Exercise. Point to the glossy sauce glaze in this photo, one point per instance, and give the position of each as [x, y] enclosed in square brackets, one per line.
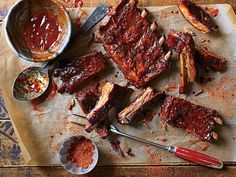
[75, 71]
[196, 119]
[41, 31]
[132, 44]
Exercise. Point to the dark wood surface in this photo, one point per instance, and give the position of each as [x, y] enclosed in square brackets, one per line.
[12, 163]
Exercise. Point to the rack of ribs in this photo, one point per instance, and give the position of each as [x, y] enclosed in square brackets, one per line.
[75, 71]
[131, 42]
[111, 95]
[195, 119]
[136, 108]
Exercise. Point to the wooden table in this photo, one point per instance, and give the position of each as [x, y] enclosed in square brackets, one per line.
[12, 163]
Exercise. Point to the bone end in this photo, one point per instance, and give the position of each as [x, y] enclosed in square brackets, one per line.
[132, 2]
[168, 56]
[161, 40]
[218, 120]
[144, 13]
[215, 135]
[153, 26]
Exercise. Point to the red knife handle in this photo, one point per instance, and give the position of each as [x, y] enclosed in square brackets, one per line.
[197, 157]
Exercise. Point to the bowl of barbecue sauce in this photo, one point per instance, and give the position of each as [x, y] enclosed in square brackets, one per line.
[38, 30]
[78, 155]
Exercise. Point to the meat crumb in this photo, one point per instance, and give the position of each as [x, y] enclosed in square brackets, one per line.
[72, 104]
[129, 152]
[198, 92]
[161, 138]
[212, 11]
[205, 40]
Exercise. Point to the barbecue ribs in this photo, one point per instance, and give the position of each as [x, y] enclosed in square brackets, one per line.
[196, 119]
[132, 43]
[111, 95]
[196, 16]
[183, 44]
[208, 60]
[74, 72]
[144, 100]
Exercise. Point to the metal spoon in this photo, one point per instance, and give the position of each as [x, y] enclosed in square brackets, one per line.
[33, 82]
[183, 153]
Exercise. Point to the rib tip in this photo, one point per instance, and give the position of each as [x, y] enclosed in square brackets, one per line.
[218, 120]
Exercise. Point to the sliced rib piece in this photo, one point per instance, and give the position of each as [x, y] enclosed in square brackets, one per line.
[196, 16]
[74, 72]
[183, 44]
[208, 60]
[144, 100]
[132, 43]
[111, 95]
[195, 119]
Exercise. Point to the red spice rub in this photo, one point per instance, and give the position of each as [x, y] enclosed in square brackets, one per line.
[75, 71]
[196, 119]
[81, 152]
[130, 40]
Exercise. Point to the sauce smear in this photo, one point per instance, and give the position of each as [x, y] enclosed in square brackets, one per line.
[41, 31]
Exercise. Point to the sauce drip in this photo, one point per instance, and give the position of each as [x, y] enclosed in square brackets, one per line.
[41, 31]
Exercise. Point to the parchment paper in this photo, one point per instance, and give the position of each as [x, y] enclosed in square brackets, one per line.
[41, 131]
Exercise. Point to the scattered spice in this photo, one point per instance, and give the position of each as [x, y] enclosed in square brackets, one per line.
[201, 145]
[129, 152]
[212, 11]
[198, 92]
[81, 152]
[116, 147]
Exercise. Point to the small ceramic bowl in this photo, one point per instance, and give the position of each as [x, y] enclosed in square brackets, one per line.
[70, 166]
[22, 14]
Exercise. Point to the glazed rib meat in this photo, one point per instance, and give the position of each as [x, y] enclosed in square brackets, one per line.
[183, 44]
[75, 71]
[196, 16]
[208, 60]
[132, 43]
[195, 119]
[144, 100]
[111, 95]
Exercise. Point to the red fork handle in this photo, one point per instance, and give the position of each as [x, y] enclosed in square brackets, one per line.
[197, 157]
